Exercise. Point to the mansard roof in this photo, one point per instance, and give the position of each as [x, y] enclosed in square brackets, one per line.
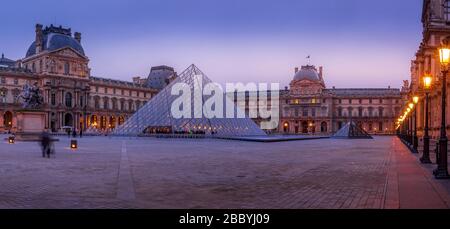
[364, 91]
[5, 62]
[114, 82]
[55, 38]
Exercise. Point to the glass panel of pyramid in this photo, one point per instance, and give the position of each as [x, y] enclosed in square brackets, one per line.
[156, 116]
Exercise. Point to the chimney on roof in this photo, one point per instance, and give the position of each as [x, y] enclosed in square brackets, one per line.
[296, 69]
[39, 38]
[3, 55]
[77, 37]
[321, 73]
[285, 88]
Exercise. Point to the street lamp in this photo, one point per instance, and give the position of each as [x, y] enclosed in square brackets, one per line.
[425, 159]
[411, 134]
[442, 170]
[415, 138]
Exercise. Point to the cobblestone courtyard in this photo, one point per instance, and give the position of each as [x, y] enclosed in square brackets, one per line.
[205, 173]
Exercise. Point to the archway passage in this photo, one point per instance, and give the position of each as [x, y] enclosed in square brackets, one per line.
[112, 122]
[286, 127]
[68, 120]
[94, 121]
[103, 122]
[121, 120]
[304, 127]
[7, 120]
[324, 127]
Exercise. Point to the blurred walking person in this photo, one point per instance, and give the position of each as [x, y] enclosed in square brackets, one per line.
[45, 144]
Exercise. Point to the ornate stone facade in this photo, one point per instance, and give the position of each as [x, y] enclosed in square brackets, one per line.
[308, 107]
[56, 62]
[436, 27]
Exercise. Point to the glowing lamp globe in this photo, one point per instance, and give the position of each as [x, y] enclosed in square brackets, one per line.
[427, 81]
[444, 55]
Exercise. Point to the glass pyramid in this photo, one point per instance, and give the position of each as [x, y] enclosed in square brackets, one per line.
[155, 117]
[351, 130]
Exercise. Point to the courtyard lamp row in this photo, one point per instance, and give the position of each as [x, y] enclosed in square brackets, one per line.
[405, 125]
[442, 170]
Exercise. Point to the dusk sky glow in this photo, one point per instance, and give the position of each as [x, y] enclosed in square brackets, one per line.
[360, 43]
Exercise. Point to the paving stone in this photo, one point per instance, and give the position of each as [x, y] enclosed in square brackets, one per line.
[206, 173]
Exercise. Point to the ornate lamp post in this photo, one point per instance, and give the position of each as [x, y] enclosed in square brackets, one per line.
[408, 125]
[411, 124]
[415, 138]
[442, 170]
[425, 159]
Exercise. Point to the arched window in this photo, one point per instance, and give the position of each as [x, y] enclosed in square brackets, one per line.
[3, 93]
[114, 103]
[7, 119]
[68, 99]
[122, 105]
[16, 93]
[96, 102]
[66, 68]
[323, 127]
[105, 103]
[370, 111]
[53, 98]
[138, 104]
[130, 105]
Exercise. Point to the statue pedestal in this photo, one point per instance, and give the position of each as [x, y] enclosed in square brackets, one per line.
[30, 125]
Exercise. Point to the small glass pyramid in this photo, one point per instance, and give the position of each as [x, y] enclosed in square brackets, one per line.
[351, 130]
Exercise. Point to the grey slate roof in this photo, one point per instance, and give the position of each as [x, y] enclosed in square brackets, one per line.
[157, 79]
[364, 92]
[307, 72]
[54, 40]
[115, 82]
[5, 62]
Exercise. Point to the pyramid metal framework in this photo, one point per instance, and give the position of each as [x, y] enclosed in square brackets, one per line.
[352, 131]
[157, 113]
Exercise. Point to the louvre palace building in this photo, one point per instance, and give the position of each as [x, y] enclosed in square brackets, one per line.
[436, 28]
[57, 64]
[309, 107]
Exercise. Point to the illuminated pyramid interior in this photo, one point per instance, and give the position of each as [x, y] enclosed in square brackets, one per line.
[155, 116]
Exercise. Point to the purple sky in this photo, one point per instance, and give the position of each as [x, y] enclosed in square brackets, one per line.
[360, 43]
